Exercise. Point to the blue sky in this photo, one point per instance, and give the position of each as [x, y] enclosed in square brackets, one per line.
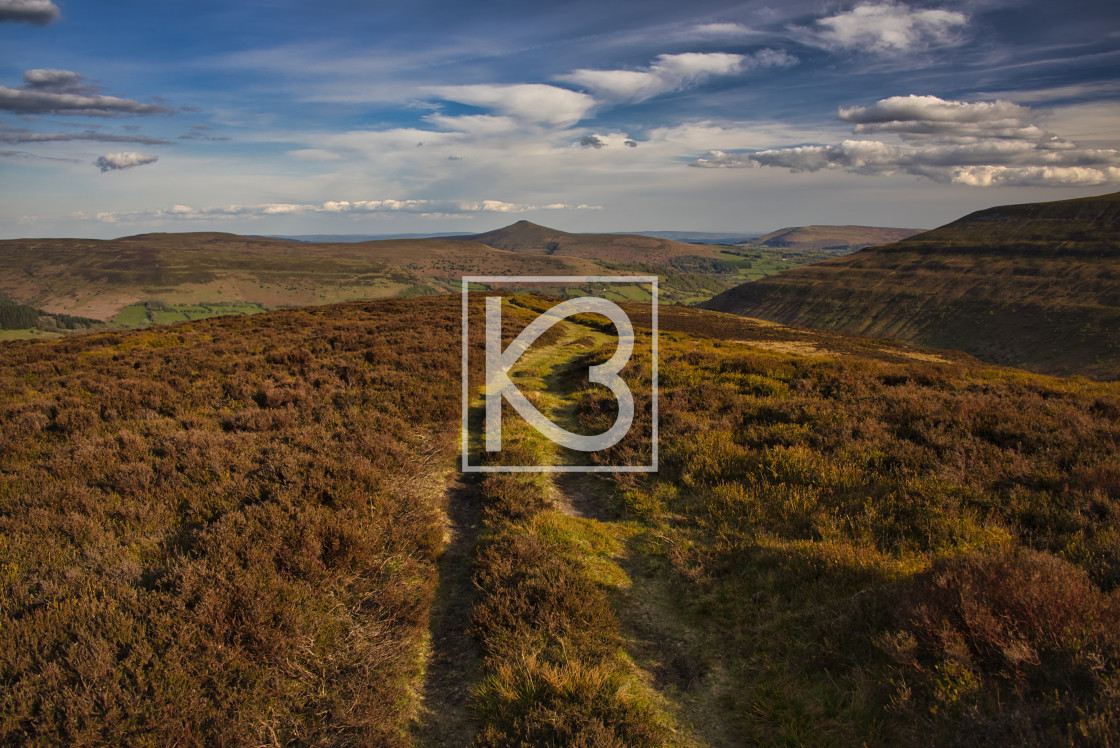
[120, 117]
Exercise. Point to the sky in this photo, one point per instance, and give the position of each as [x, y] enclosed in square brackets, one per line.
[120, 117]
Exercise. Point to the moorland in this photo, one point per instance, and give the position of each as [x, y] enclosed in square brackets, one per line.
[252, 529]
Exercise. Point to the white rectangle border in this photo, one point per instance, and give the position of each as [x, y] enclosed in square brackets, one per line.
[553, 279]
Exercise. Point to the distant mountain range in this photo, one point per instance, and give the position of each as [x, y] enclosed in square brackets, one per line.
[695, 237]
[164, 277]
[1029, 285]
[100, 278]
[351, 238]
[849, 238]
[703, 237]
[1034, 285]
[526, 237]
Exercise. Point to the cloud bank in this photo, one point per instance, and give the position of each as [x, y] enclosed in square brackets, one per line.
[928, 117]
[980, 144]
[37, 12]
[429, 208]
[119, 161]
[47, 91]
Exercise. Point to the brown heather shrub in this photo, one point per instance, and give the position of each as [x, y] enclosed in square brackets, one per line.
[223, 533]
[796, 495]
[570, 704]
[548, 608]
[1029, 627]
[510, 498]
[1013, 613]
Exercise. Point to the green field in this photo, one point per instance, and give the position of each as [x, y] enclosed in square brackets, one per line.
[28, 334]
[151, 313]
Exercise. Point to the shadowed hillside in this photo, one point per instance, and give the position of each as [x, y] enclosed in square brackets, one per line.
[1035, 285]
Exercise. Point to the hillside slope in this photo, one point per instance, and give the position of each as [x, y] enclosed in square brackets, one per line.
[98, 278]
[1034, 285]
[524, 236]
[833, 238]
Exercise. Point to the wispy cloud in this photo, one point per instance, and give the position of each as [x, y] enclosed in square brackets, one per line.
[126, 160]
[889, 28]
[47, 91]
[475, 124]
[36, 157]
[1072, 91]
[984, 143]
[532, 102]
[670, 73]
[202, 132]
[37, 12]
[20, 135]
[719, 31]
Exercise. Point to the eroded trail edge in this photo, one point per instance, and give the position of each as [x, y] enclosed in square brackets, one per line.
[447, 717]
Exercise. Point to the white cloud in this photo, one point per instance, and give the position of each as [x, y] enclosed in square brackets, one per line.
[920, 117]
[890, 28]
[37, 12]
[1035, 176]
[53, 79]
[986, 164]
[971, 143]
[930, 108]
[531, 102]
[669, 73]
[119, 161]
[47, 91]
[356, 207]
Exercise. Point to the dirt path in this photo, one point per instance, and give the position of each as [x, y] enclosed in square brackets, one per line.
[574, 495]
[446, 717]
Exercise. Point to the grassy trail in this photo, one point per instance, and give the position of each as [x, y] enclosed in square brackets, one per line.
[657, 643]
[660, 657]
[454, 658]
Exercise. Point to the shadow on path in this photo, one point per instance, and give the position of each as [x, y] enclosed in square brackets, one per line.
[447, 718]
